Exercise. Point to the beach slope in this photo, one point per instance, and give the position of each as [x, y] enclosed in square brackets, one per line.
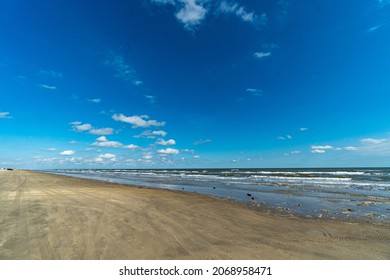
[44, 216]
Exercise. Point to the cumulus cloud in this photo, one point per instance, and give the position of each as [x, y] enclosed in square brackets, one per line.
[108, 144]
[137, 121]
[80, 127]
[107, 156]
[102, 131]
[147, 156]
[323, 149]
[303, 129]
[5, 115]
[151, 134]
[166, 143]
[102, 139]
[326, 147]
[261, 55]
[191, 13]
[318, 151]
[67, 153]
[168, 151]
[103, 142]
[159, 132]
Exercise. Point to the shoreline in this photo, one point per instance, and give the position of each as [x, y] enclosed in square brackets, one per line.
[341, 213]
[47, 216]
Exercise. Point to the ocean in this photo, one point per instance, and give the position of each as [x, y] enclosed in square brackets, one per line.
[345, 193]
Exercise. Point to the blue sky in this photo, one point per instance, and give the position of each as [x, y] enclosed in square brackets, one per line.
[194, 83]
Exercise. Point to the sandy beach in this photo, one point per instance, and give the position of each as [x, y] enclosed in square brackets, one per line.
[44, 216]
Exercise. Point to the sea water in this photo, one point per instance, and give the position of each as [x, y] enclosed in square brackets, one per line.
[347, 193]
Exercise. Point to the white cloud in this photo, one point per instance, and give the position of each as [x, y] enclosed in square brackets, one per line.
[168, 151]
[318, 151]
[159, 132]
[191, 13]
[137, 121]
[48, 87]
[95, 100]
[103, 142]
[102, 139]
[188, 151]
[151, 134]
[131, 146]
[196, 156]
[108, 144]
[49, 149]
[102, 131]
[351, 148]
[303, 129]
[284, 137]
[138, 82]
[373, 141]
[108, 156]
[261, 55]
[166, 143]
[376, 27]
[152, 99]
[164, 1]
[295, 152]
[327, 147]
[372, 146]
[99, 159]
[323, 149]
[67, 153]
[255, 91]
[236, 9]
[147, 156]
[5, 115]
[79, 127]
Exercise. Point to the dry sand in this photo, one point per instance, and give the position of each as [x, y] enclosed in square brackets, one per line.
[46, 216]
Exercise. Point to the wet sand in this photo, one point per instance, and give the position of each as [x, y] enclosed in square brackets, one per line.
[44, 216]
